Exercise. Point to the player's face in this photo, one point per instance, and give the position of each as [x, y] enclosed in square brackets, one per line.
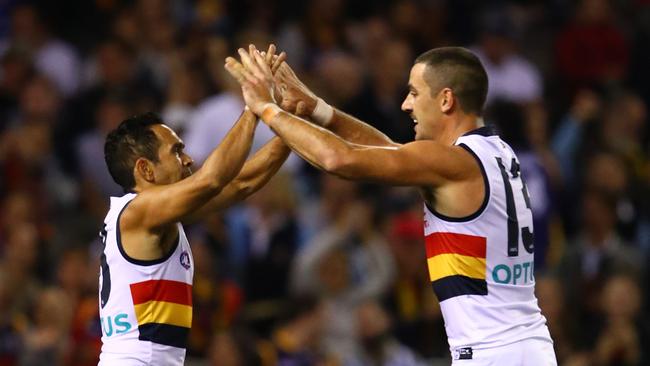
[173, 164]
[421, 105]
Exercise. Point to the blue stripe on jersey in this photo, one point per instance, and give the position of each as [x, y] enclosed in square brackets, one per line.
[457, 285]
[169, 335]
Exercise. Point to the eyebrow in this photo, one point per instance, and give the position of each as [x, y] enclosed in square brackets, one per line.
[411, 87]
[178, 145]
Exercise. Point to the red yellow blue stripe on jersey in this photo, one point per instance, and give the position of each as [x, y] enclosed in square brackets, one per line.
[163, 309]
[456, 264]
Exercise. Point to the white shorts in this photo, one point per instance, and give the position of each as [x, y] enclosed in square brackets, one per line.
[529, 352]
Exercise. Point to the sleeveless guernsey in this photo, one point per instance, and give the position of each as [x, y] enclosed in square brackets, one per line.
[481, 266]
[145, 306]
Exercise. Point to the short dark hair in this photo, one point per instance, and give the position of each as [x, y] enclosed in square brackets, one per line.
[459, 69]
[132, 139]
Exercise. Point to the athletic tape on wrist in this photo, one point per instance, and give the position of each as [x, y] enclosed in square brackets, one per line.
[269, 111]
[323, 113]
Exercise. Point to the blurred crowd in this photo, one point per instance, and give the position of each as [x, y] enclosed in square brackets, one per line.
[314, 270]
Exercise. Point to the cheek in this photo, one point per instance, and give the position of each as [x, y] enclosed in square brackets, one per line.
[424, 109]
[422, 105]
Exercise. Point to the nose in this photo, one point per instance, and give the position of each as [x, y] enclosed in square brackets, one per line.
[188, 161]
[407, 105]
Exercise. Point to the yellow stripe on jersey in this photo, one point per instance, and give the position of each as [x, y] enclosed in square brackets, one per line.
[443, 265]
[164, 313]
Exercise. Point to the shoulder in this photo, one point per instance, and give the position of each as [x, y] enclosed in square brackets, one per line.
[457, 161]
[432, 150]
[128, 211]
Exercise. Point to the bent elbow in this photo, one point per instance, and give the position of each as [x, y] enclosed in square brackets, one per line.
[338, 164]
[242, 189]
[210, 184]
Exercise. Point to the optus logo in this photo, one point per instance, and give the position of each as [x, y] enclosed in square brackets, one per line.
[117, 324]
[517, 274]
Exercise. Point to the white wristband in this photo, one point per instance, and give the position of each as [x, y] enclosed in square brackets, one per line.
[323, 113]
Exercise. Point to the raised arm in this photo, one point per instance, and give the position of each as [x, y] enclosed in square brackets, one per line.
[300, 100]
[260, 168]
[254, 175]
[165, 204]
[420, 163]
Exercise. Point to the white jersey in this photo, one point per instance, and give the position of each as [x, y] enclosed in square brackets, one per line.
[481, 266]
[145, 306]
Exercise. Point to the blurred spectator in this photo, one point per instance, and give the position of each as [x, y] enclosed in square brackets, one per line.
[320, 29]
[20, 208]
[75, 276]
[511, 77]
[606, 173]
[327, 202]
[296, 339]
[264, 240]
[342, 77]
[114, 71]
[234, 348]
[566, 143]
[379, 102]
[624, 125]
[27, 154]
[621, 336]
[378, 347]
[416, 312]
[11, 325]
[213, 118]
[52, 57]
[97, 185]
[563, 327]
[217, 301]
[20, 257]
[15, 71]
[597, 253]
[158, 40]
[47, 341]
[345, 265]
[591, 48]
[185, 91]
[623, 169]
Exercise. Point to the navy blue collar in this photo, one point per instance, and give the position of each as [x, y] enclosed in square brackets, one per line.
[485, 131]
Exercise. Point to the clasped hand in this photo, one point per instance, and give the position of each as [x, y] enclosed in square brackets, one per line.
[255, 75]
[266, 78]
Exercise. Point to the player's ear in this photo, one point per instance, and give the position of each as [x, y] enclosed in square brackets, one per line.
[447, 100]
[144, 169]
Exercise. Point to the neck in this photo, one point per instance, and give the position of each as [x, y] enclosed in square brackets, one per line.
[140, 186]
[459, 125]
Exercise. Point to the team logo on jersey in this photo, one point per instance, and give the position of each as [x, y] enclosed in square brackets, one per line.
[462, 353]
[185, 259]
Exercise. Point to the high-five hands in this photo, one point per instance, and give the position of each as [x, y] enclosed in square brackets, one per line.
[296, 96]
[255, 75]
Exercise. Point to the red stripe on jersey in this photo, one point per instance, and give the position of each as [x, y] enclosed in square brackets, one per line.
[161, 290]
[453, 243]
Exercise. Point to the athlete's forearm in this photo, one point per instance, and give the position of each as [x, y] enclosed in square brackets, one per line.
[254, 175]
[226, 161]
[313, 143]
[262, 166]
[357, 131]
